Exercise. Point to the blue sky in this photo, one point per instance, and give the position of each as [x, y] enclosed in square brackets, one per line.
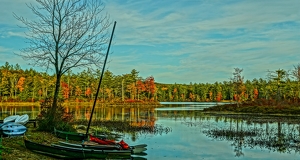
[183, 41]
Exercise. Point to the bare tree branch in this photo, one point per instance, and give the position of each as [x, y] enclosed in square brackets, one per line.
[65, 35]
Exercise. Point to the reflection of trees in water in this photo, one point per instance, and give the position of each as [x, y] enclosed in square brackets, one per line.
[275, 134]
[130, 120]
[127, 127]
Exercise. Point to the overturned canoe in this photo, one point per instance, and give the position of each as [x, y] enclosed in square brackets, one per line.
[12, 129]
[11, 118]
[23, 119]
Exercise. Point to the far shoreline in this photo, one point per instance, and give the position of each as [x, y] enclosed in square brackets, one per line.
[78, 103]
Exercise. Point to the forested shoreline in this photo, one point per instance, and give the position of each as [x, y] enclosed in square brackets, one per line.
[18, 85]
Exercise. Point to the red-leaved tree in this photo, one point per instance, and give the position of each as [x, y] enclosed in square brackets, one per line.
[20, 84]
[88, 92]
[140, 88]
[65, 89]
[150, 86]
[255, 93]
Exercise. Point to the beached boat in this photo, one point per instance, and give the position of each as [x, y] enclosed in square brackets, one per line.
[89, 145]
[67, 152]
[79, 136]
[136, 150]
[11, 118]
[23, 119]
[12, 129]
[69, 135]
[94, 141]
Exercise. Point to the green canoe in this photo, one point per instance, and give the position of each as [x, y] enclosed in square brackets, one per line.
[66, 152]
[70, 135]
[79, 136]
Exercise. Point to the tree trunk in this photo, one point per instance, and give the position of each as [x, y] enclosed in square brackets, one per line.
[122, 89]
[55, 97]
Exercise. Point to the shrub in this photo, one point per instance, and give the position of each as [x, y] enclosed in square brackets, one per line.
[60, 120]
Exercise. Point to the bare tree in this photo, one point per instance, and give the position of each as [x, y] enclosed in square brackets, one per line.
[66, 34]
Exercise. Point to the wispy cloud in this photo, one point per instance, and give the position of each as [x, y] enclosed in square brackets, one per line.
[212, 37]
[17, 34]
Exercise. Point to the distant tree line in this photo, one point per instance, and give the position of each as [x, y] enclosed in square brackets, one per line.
[18, 85]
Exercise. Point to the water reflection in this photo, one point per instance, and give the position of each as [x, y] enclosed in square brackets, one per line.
[133, 120]
[102, 112]
[277, 134]
[32, 111]
[83, 112]
[188, 105]
[138, 116]
[195, 135]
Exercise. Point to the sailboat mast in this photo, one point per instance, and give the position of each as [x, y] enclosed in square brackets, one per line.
[103, 68]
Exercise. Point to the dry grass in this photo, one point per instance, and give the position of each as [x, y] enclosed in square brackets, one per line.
[13, 148]
[19, 103]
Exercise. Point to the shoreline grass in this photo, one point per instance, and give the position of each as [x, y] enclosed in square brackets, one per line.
[261, 106]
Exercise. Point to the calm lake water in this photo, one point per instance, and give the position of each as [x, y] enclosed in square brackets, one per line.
[190, 134]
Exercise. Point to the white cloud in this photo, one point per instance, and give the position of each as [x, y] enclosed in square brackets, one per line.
[17, 34]
[146, 29]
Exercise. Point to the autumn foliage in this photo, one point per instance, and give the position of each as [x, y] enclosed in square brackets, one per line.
[65, 90]
[20, 84]
[255, 93]
[140, 86]
[219, 97]
[88, 92]
[150, 87]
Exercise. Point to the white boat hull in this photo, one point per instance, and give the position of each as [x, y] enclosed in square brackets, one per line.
[12, 129]
[10, 118]
[22, 119]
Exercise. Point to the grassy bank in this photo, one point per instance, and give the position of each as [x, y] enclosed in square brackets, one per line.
[259, 107]
[13, 147]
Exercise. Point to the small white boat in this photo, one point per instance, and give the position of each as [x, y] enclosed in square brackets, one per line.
[10, 118]
[22, 119]
[13, 129]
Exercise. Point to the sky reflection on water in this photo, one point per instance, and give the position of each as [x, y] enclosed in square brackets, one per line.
[188, 141]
